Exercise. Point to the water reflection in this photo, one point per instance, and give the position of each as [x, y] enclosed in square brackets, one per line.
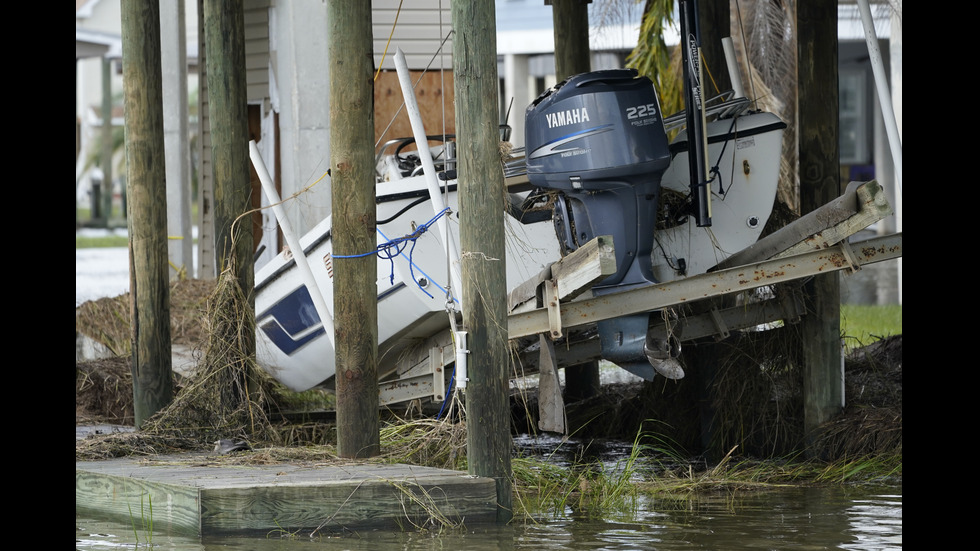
[787, 518]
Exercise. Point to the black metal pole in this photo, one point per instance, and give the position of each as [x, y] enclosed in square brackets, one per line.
[694, 108]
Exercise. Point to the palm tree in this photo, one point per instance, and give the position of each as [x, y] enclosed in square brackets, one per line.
[94, 158]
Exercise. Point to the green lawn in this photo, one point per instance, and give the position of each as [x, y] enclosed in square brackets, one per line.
[863, 324]
[101, 241]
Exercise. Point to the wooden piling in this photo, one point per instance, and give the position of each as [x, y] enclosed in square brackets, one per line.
[224, 36]
[571, 28]
[354, 233]
[819, 184]
[483, 259]
[149, 279]
[572, 57]
[224, 29]
[704, 358]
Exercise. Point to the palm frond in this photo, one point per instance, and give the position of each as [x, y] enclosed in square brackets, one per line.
[652, 57]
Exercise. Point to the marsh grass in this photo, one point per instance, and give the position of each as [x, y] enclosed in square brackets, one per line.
[595, 489]
[653, 469]
[421, 508]
[146, 521]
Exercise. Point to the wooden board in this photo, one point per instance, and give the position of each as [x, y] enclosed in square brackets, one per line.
[197, 495]
[434, 94]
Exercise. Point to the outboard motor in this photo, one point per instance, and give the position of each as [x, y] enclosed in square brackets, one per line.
[598, 139]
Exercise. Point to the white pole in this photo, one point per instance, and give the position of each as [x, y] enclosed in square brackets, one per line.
[888, 114]
[733, 71]
[881, 85]
[298, 256]
[429, 169]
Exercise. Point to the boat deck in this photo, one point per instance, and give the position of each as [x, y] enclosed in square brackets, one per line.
[199, 494]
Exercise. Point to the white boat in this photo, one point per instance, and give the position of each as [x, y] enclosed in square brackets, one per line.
[596, 166]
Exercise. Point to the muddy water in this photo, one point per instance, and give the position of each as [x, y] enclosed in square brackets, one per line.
[865, 518]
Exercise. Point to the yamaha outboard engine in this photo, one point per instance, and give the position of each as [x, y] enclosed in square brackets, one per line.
[598, 139]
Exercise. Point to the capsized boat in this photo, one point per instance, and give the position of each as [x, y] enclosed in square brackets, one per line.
[598, 164]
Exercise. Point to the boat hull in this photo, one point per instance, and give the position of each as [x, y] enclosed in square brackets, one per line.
[413, 288]
[745, 151]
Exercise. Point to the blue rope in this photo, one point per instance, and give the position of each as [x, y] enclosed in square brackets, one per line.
[391, 249]
[448, 390]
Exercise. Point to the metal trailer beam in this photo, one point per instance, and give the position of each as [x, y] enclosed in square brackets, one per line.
[714, 284]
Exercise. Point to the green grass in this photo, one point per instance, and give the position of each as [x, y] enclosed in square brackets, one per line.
[864, 324]
[82, 242]
[84, 217]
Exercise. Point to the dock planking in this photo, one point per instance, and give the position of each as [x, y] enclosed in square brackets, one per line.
[199, 496]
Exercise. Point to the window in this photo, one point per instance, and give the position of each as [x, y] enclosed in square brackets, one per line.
[853, 117]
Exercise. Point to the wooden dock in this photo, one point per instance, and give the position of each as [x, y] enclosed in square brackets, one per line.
[198, 495]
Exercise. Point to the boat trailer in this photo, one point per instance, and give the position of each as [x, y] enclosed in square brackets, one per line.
[558, 303]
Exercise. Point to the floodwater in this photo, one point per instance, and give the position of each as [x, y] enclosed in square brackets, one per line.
[863, 518]
[100, 273]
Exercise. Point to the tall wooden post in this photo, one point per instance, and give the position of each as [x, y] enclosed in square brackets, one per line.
[715, 21]
[148, 278]
[820, 184]
[354, 232]
[571, 26]
[573, 56]
[706, 356]
[224, 36]
[483, 259]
